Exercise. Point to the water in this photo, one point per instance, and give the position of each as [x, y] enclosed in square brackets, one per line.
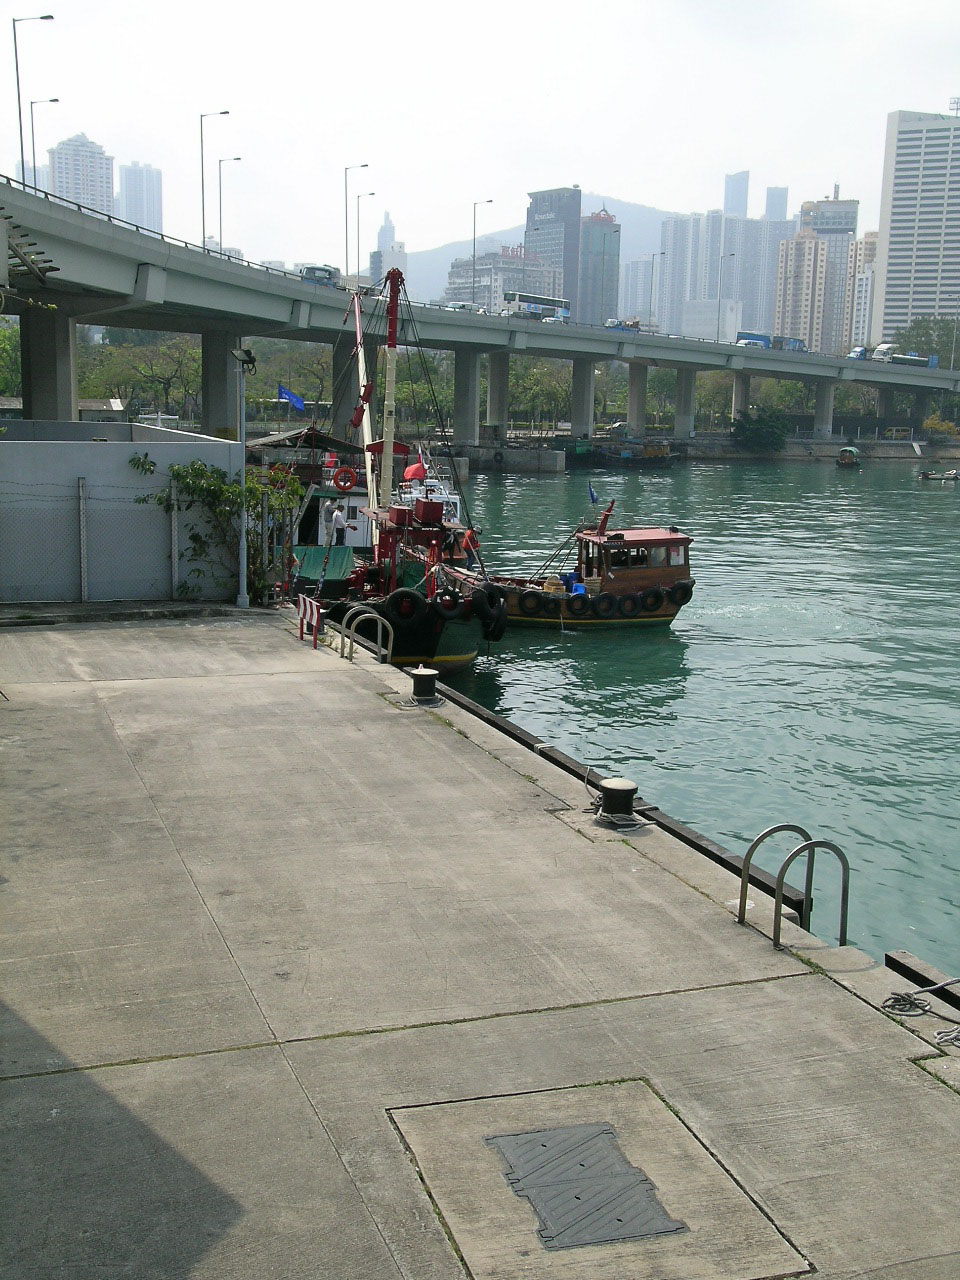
[813, 678]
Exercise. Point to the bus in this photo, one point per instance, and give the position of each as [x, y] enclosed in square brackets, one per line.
[321, 275]
[535, 306]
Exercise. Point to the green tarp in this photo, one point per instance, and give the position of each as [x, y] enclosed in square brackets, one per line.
[339, 566]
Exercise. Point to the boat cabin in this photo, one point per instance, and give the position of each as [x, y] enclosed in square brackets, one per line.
[630, 560]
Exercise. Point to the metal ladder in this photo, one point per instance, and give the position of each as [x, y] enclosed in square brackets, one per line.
[348, 630]
[808, 847]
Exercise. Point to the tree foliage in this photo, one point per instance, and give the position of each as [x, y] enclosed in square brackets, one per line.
[930, 335]
[11, 379]
[761, 431]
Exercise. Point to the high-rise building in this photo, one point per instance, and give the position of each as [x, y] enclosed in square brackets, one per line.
[918, 250]
[141, 195]
[776, 209]
[834, 222]
[639, 295]
[553, 235]
[861, 276]
[502, 270]
[80, 170]
[735, 189]
[800, 288]
[389, 252]
[599, 268]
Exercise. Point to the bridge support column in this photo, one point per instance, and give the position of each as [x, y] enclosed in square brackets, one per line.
[498, 390]
[636, 397]
[884, 403]
[685, 404]
[220, 385]
[466, 396]
[741, 395]
[823, 408]
[581, 408]
[48, 358]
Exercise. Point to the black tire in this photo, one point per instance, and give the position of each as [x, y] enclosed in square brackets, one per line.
[404, 608]
[530, 603]
[493, 631]
[482, 606]
[578, 606]
[652, 599]
[448, 604]
[604, 605]
[552, 606]
[681, 593]
[628, 606]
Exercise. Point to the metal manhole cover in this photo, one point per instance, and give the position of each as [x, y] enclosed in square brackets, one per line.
[582, 1187]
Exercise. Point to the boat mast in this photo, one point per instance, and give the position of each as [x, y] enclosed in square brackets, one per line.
[394, 281]
[367, 425]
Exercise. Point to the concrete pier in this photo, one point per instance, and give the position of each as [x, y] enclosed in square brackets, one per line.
[281, 956]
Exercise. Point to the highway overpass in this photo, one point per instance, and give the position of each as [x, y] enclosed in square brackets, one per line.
[99, 270]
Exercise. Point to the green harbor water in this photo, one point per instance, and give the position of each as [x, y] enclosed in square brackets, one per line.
[814, 678]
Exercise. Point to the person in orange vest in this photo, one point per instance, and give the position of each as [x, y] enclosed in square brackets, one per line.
[470, 545]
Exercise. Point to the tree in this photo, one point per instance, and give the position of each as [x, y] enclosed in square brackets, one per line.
[760, 431]
[11, 378]
[662, 388]
[930, 335]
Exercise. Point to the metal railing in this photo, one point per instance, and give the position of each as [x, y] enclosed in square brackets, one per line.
[808, 847]
[348, 630]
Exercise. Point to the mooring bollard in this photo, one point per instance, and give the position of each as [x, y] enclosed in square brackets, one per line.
[617, 796]
[424, 684]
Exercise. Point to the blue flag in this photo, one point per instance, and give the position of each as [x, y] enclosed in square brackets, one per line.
[283, 393]
[593, 496]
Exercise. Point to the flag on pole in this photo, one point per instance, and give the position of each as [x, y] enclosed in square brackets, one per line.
[593, 497]
[284, 393]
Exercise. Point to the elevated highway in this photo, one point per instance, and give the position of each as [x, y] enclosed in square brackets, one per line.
[98, 270]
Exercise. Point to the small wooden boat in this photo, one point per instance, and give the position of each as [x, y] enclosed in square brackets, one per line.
[848, 457]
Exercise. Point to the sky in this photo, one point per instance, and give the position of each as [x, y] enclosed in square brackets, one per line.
[651, 101]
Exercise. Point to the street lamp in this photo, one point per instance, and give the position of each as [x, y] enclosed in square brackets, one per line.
[720, 288]
[346, 217]
[220, 164]
[36, 102]
[653, 260]
[203, 194]
[473, 274]
[362, 196]
[246, 363]
[45, 17]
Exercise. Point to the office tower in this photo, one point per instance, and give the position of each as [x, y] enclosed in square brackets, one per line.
[776, 209]
[599, 268]
[735, 189]
[389, 252]
[638, 289]
[800, 288]
[141, 195]
[834, 222]
[80, 170]
[552, 235]
[387, 234]
[861, 278]
[501, 270]
[918, 250]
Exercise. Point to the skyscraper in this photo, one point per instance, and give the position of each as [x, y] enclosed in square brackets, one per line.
[390, 252]
[735, 188]
[918, 251]
[834, 222]
[800, 281]
[553, 236]
[599, 268]
[141, 195]
[81, 170]
[776, 209]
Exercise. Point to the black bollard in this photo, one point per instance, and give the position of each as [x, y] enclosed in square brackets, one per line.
[425, 684]
[617, 797]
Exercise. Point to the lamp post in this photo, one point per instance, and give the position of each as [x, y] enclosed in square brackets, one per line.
[346, 217]
[44, 17]
[203, 193]
[473, 274]
[362, 196]
[246, 363]
[220, 164]
[653, 260]
[720, 288]
[36, 102]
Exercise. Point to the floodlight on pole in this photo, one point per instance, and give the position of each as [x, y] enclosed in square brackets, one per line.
[203, 197]
[473, 274]
[346, 215]
[220, 164]
[36, 102]
[43, 17]
[362, 196]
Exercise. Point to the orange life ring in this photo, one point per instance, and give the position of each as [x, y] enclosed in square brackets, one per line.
[344, 478]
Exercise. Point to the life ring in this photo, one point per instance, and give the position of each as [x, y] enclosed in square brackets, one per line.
[628, 606]
[449, 604]
[530, 602]
[652, 600]
[579, 606]
[344, 478]
[404, 607]
[604, 605]
[681, 593]
[498, 458]
[552, 606]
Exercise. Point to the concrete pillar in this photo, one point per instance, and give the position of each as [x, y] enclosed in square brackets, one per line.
[466, 396]
[581, 408]
[685, 404]
[884, 403]
[220, 384]
[636, 397]
[498, 389]
[741, 395]
[823, 408]
[48, 358]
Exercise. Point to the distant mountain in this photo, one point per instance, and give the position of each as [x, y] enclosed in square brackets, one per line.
[427, 269]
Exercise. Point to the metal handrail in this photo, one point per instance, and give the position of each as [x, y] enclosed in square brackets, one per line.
[745, 871]
[351, 620]
[809, 848]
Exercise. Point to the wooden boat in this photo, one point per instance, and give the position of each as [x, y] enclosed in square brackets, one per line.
[848, 457]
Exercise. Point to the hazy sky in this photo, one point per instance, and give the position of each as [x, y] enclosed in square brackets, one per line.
[646, 100]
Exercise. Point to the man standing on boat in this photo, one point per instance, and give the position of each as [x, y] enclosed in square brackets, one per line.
[326, 523]
[340, 526]
[471, 546]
